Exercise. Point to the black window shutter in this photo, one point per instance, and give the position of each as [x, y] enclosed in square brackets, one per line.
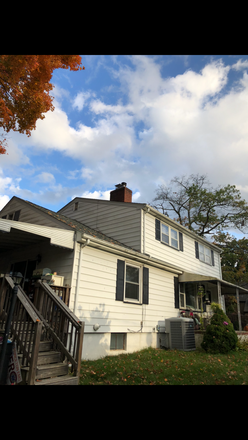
[196, 250]
[176, 292]
[157, 229]
[145, 285]
[17, 215]
[212, 256]
[120, 280]
[180, 241]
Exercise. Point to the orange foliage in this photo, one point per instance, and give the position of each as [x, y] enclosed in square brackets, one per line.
[25, 87]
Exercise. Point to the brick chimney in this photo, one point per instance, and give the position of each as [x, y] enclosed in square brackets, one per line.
[121, 193]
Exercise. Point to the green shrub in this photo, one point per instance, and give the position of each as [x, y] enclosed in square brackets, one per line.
[220, 336]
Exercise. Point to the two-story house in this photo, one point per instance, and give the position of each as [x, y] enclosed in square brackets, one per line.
[128, 267]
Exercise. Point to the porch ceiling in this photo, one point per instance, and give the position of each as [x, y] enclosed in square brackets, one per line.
[16, 239]
[15, 234]
[226, 288]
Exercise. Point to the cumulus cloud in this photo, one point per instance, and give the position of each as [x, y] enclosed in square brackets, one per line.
[104, 195]
[3, 201]
[79, 101]
[183, 124]
[45, 177]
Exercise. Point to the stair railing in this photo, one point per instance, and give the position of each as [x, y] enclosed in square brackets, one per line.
[56, 323]
[62, 327]
[26, 327]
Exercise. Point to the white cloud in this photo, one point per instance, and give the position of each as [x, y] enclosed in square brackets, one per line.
[104, 195]
[79, 101]
[45, 177]
[240, 65]
[3, 201]
[187, 126]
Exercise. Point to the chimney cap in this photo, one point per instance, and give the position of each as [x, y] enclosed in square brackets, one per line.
[121, 185]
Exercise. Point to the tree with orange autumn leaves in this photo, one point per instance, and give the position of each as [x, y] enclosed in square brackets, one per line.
[25, 89]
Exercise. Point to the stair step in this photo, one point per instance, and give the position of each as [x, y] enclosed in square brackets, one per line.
[50, 370]
[48, 357]
[61, 380]
[44, 346]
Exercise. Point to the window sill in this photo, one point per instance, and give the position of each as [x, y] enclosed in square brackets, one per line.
[132, 302]
[169, 246]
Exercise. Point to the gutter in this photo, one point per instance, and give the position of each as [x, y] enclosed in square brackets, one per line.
[129, 253]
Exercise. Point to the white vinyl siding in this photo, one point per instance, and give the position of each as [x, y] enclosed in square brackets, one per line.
[185, 260]
[97, 304]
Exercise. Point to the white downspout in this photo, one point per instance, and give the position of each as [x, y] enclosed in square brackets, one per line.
[78, 275]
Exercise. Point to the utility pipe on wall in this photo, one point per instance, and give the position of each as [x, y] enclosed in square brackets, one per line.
[79, 272]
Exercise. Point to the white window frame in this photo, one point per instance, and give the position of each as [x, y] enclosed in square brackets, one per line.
[169, 235]
[205, 254]
[140, 284]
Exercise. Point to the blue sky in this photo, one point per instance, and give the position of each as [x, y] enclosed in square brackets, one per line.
[139, 119]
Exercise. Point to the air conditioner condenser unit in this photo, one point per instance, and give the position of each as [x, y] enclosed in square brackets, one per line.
[181, 333]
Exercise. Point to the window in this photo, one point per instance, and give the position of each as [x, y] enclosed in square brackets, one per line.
[191, 296]
[132, 283]
[118, 341]
[13, 215]
[182, 299]
[76, 206]
[167, 235]
[203, 253]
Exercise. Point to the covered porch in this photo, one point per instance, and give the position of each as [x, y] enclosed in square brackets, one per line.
[215, 290]
[29, 248]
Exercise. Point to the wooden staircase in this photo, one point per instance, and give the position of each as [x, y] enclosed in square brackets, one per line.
[50, 369]
[48, 336]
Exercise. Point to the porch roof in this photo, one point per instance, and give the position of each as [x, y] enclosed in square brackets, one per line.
[227, 288]
[17, 234]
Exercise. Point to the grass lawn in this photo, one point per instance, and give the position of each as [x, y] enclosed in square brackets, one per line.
[167, 367]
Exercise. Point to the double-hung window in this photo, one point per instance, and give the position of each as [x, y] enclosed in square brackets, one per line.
[132, 282]
[168, 235]
[204, 253]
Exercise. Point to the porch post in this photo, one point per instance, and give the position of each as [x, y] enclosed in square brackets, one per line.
[219, 292]
[238, 308]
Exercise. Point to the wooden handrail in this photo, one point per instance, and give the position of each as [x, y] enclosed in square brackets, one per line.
[59, 302]
[26, 327]
[49, 315]
[62, 326]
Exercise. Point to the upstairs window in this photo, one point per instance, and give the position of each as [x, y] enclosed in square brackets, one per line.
[204, 253]
[167, 235]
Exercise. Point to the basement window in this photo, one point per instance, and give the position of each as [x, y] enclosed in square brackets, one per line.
[118, 341]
